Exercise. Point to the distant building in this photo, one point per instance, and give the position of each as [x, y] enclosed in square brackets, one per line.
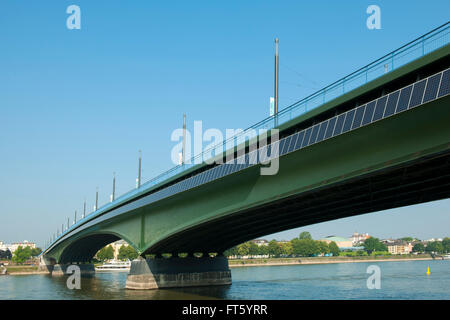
[342, 243]
[358, 238]
[399, 247]
[13, 247]
[260, 242]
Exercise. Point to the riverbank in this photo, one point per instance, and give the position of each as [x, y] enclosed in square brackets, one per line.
[235, 263]
[23, 270]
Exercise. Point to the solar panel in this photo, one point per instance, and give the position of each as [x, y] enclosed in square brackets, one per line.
[226, 168]
[298, 143]
[253, 157]
[379, 109]
[339, 124]
[323, 128]
[293, 142]
[370, 108]
[262, 154]
[314, 134]
[201, 178]
[232, 168]
[284, 149]
[282, 144]
[189, 182]
[445, 84]
[403, 101]
[348, 120]
[330, 127]
[269, 150]
[307, 136]
[432, 87]
[358, 117]
[275, 148]
[417, 94]
[391, 103]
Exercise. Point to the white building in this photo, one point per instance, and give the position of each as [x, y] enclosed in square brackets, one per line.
[358, 238]
[13, 247]
[260, 242]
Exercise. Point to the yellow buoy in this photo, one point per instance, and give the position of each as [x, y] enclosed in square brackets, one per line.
[428, 271]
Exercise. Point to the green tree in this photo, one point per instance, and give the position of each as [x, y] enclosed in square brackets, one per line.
[305, 235]
[418, 247]
[253, 249]
[334, 249]
[407, 239]
[231, 252]
[35, 252]
[305, 247]
[127, 252]
[287, 249]
[446, 244]
[435, 246]
[373, 244]
[263, 250]
[323, 247]
[243, 249]
[21, 255]
[105, 253]
[274, 248]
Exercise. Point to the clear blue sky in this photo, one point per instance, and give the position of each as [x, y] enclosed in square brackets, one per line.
[77, 105]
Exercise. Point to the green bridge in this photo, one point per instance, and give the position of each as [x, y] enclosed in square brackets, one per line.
[376, 139]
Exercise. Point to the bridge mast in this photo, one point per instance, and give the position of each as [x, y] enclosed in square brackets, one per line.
[114, 187]
[139, 173]
[96, 200]
[276, 80]
[183, 152]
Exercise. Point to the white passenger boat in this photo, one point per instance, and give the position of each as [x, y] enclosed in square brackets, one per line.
[114, 265]
[446, 257]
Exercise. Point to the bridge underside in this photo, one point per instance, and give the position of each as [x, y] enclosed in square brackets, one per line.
[415, 182]
[85, 248]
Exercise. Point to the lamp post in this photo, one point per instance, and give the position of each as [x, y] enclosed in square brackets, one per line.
[139, 170]
[276, 83]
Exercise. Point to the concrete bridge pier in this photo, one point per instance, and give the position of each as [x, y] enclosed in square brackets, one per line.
[46, 265]
[146, 274]
[61, 269]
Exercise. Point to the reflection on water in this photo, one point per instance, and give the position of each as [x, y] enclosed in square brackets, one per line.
[399, 280]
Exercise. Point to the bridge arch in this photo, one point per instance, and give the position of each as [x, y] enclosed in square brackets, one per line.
[84, 248]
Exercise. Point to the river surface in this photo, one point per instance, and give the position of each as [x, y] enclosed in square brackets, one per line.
[399, 280]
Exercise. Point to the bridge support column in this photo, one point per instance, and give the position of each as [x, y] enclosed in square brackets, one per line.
[46, 265]
[61, 269]
[178, 272]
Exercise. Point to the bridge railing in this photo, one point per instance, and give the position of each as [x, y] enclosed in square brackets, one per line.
[409, 52]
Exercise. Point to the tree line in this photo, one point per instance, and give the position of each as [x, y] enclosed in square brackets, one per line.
[125, 252]
[433, 247]
[303, 246]
[21, 255]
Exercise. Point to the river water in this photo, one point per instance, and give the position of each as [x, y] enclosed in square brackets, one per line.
[399, 280]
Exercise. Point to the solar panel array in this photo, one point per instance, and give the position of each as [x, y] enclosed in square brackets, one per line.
[422, 91]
